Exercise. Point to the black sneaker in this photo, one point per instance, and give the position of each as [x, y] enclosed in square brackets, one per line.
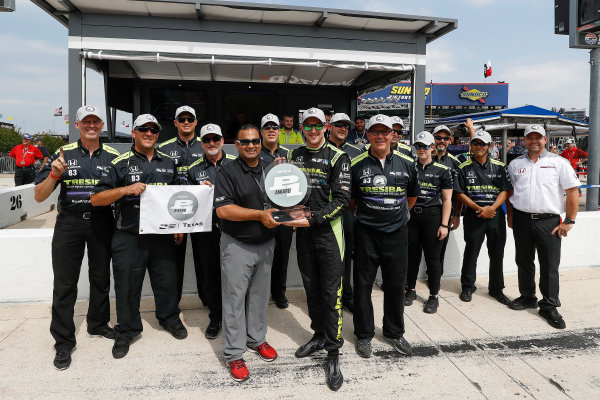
[409, 297]
[502, 299]
[121, 347]
[522, 302]
[105, 332]
[467, 294]
[314, 344]
[363, 348]
[282, 302]
[553, 317]
[431, 305]
[177, 330]
[334, 374]
[213, 329]
[62, 360]
[400, 345]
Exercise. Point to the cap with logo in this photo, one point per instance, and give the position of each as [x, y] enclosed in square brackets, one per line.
[483, 136]
[26, 136]
[425, 138]
[272, 118]
[186, 109]
[569, 141]
[440, 128]
[85, 111]
[144, 119]
[341, 117]
[380, 119]
[210, 129]
[313, 112]
[397, 120]
[535, 128]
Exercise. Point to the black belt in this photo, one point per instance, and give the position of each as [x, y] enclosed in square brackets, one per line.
[426, 210]
[87, 214]
[26, 166]
[536, 216]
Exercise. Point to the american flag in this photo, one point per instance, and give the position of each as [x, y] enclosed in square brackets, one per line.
[58, 112]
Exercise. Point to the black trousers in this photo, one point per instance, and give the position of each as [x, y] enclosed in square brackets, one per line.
[320, 252]
[422, 238]
[71, 235]
[476, 229]
[348, 225]
[373, 249]
[24, 175]
[206, 246]
[281, 256]
[443, 251]
[180, 263]
[531, 235]
[133, 254]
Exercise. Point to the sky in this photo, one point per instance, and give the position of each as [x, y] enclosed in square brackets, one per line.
[516, 35]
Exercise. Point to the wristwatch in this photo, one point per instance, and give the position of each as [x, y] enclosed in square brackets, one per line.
[568, 220]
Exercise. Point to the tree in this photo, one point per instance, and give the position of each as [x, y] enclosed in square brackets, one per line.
[9, 138]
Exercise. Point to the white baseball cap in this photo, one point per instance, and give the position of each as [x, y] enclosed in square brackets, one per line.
[483, 136]
[84, 111]
[440, 128]
[144, 119]
[313, 112]
[535, 128]
[424, 137]
[380, 119]
[269, 118]
[397, 120]
[570, 141]
[341, 117]
[210, 129]
[186, 109]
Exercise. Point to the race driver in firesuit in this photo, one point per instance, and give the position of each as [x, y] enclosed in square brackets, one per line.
[320, 241]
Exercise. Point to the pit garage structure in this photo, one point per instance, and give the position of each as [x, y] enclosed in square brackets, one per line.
[230, 58]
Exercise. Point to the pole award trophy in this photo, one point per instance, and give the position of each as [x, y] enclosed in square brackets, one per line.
[286, 187]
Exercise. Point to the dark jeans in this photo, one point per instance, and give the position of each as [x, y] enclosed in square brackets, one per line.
[208, 269]
[531, 235]
[24, 175]
[133, 254]
[373, 249]
[283, 242]
[71, 235]
[422, 238]
[476, 229]
[348, 225]
[180, 263]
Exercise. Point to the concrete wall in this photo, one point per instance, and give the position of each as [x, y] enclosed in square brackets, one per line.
[26, 268]
[18, 204]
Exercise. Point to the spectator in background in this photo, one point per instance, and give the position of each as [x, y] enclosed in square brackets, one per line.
[494, 153]
[25, 156]
[575, 156]
[358, 135]
[288, 135]
[553, 149]
[38, 143]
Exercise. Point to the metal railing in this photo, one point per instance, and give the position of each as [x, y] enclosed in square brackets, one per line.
[7, 164]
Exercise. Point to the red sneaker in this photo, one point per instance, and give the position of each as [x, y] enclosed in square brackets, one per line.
[266, 352]
[239, 372]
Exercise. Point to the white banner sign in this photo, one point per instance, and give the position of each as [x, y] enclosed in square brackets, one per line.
[176, 209]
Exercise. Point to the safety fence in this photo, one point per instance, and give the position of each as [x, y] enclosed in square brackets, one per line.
[7, 164]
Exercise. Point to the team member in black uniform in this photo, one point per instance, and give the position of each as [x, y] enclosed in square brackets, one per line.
[396, 144]
[77, 168]
[482, 185]
[340, 125]
[184, 149]
[429, 219]
[203, 171]
[320, 241]
[133, 253]
[384, 188]
[269, 152]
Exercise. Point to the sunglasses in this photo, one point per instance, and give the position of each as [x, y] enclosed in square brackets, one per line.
[145, 129]
[382, 133]
[446, 138]
[246, 142]
[341, 125]
[270, 127]
[308, 127]
[478, 144]
[214, 138]
[398, 131]
[419, 146]
[184, 119]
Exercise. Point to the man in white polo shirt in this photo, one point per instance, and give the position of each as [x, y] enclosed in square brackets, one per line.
[540, 179]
